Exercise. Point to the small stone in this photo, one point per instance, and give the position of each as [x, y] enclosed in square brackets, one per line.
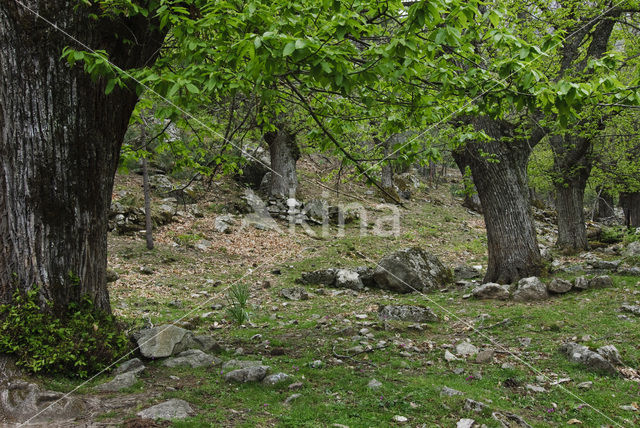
[171, 409]
[448, 356]
[192, 358]
[507, 366]
[535, 388]
[146, 270]
[316, 364]
[449, 392]
[400, 419]
[466, 349]
[296, 385]
[374, 384]
[603, 281]
[585, 385]
[276, 379]
[492, 291]
[291, 398]
[485, 356]
[633, 309]
[465, 423]
[420, 314]
[559, 286]
[249, 374]
[120, 382]
[295, 293]
[529, 290]
[132, 365]
[581, 283]
[629, 408]
[474, 406]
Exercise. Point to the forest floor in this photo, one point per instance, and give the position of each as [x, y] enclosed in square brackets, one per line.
[528, 377]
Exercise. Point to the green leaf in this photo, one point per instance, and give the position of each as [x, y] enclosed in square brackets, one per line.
[111, 84]
[288, 49]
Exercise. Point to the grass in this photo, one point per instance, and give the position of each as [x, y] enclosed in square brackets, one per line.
[411, 364]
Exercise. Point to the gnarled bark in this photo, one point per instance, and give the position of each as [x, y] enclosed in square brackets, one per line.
[60, 139]
[284, 153]
[499, 171]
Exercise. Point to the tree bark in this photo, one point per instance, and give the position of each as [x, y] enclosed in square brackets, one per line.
[572, 166]
[148, 233]
[630, 202]
[284, 153]
[60, 139]
[499, 171]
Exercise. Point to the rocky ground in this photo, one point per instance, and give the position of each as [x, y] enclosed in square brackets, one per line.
[333, 339]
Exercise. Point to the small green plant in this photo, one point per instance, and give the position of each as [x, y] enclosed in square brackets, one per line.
[611, 235]
[238, 297]
[188, 239]
[77, 342]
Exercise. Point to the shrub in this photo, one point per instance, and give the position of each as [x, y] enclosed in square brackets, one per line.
[78, 342]
[238, 296]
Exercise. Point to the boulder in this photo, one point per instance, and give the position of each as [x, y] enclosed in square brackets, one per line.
[529, 290]
[632, 250]
[581, 283]
[276, 379]
[240, 364]
[411, 269]
[603, 281]
[420, 314]
[466, 349]
[163, 341]
[461, 272]
[491, 290]
[559, 286]
[317, 210]
[319, 277]
[248, 374]
[191, 358]
[366, 276]
[348, 279]
[223, 223]
[294, 293]
[588, 358]
[605, 265]
[134, 365]
[118, 383]
[171, 409]
[611, 354]
[633, 309]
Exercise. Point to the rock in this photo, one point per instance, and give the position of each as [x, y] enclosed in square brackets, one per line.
[348, 279]
[294, 293]
[146, 270]
[112, 276]
[420, 314]
[191, 358]
[223, 223]
[276, 379]
[559, 286]
[603, 281]
[132, 365]
[474, 406]
[535, 388]
[491, 290]
[633, 309]
[240, 364]
[448, 356]
[611, 354]
[202, 245]
[629, 271]
[291, 398]
[296, 385]
[461, 272]
[319, 277]
[21, 401]
[465, 423]
[529, 290]
[449, 392]
[466, 349]
[316, 364]
[248, 374]
[121, 381]
[583, 355]
[206, 343]
[411, 269]
[163, 214]
[605, 264]
[374, 384]
[171, 409]
[399, 419]
[163, 341]
[366, 276]
[632, 250]
[585, 385]
[510, 420]
[581, 283]
[317, 210]
[485, 356]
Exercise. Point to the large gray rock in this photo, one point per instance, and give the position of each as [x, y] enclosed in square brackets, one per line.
[317, 210]
[223, 223]
[491, 290]
[320, 277]
[21, 401]
[163, 341]
[581, 283]
[118, 383]
[248, 374]
[583, 355]
[366, 276]
[603, 281]
[421, 314]
[206, 343]
[348, 279]
[240, 364]
[411, 269]
[171, 409]
[276, 379]
[133, 365]
[529, 290]
[611, 354]
[191, 358]
[559, 286]
[633, 309]
[461, 272]
[633, 249]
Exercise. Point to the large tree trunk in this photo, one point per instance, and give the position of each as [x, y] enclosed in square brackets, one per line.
[504, 193]
[572, 166]
[60, 139]
[630, 202]
[284, 154]
[605, 204]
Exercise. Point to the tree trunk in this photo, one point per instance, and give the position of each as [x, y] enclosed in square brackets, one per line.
[572, 167]
[386, 179]
[604, 208]
[630, 202]
[284, 153]
[60, 139]
[503, 190]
